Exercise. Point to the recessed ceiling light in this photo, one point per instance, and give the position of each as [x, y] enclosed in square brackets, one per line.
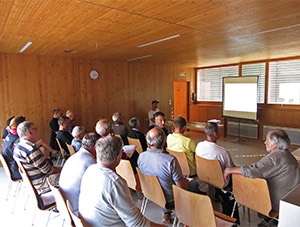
[133, 59]
[25, 47]
[160, 40]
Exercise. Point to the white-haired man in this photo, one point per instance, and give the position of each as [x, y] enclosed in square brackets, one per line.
[105, 200]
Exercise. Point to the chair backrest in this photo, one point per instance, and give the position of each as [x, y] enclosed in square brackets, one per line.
[124, 169]
[6, 168]
[137, 143]
[152, 189]
[76, 220]
[210, 172]
[44, 201]
[62, 151]
[193, 209]
[253, 193]
[60, 203]
[181, 158]
[71, 149]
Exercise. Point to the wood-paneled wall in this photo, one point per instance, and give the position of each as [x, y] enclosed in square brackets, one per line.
[33, 85]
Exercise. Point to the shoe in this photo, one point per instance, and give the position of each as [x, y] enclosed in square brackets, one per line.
[167, 219]
[271, 223]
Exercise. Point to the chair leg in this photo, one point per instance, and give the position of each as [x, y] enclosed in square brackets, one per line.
[233, 209]
[48, 218]
[9, 188]
[249, 215]
[144, 205]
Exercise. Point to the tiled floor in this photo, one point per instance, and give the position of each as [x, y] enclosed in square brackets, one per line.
[12, 212]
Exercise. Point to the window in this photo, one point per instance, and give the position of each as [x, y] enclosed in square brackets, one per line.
[284, 82]
[257, 69]
[209, 82]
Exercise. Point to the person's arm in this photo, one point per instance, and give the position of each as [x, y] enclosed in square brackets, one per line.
[231, 170]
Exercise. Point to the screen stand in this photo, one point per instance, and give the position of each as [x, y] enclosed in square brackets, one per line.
[239, 139]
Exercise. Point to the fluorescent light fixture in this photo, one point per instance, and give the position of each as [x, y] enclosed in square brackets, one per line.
[133, 59]
[160, 40]
[25, 47]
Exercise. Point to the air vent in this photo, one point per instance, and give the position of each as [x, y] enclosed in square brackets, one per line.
[294, 133]
[246, 130]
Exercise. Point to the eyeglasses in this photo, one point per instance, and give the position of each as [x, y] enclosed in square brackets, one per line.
[34, 128]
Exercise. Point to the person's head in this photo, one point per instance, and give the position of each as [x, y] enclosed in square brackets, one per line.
[9, 120]
[154, 104]
[159, 119]
[103, 128]
[277, 140]
[156, 138]
[134, 122]
[211, 130]
[117, 117]
[179, 125]
[89, 142]
[63, 122]
[71, 115]
[57, 113]
[27, 130]
[78, 132]
[109, 150]
[15, 122]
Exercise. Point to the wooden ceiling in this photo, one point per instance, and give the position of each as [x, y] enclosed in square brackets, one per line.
[211, 32]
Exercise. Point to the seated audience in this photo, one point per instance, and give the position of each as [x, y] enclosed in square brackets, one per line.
[279, 168]
[74, 168]
[54, 126]
[78, 133]
[156, 162]
[103, 128]
[72, 116]
[36, 164]
[105, 199]
[178, 142]
[62, 134]
[8, 146]
[6, 129]
[135, 133]
[209, 149]
[119, 127]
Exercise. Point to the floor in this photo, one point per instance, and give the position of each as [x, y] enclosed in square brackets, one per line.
[14, 212]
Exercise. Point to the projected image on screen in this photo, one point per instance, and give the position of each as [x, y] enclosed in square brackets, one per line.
[240, 97]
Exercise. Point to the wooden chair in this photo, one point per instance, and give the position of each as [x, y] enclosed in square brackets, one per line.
[210, 172]
[152, 191]
[62, 151]
[44, 201]
[137, 143]
[254, 194]
[71, 149]
[11, 180]
[196, 210]
[61, 204]
[124, 169]
[76, 220]
[183, 162]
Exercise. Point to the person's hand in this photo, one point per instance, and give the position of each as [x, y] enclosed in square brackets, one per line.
[227, 173]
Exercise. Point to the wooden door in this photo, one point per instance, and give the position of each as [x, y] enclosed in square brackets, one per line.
[181, 97]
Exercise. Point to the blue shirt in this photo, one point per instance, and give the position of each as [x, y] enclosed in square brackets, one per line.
[162, 165]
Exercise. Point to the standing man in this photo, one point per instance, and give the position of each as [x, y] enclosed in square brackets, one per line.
[178, 142]
[279, 168]
[105, 199]
[74, 168]
[35, 162]
[152, 111]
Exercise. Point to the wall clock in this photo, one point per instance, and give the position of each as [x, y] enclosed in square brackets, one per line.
[94, 74]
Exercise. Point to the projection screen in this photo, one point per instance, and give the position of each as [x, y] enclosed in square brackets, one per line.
[240, 97]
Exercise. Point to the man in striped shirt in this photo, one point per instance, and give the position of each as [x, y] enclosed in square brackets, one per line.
[34, 158]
